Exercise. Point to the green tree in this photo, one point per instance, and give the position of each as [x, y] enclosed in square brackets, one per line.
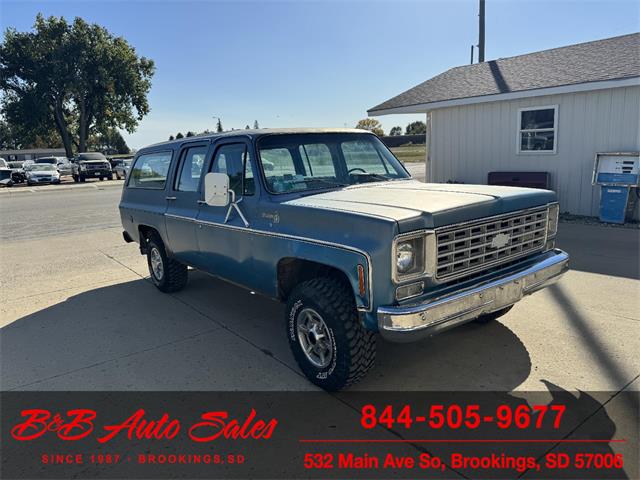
[255, 124]
[7, 137]
[190, 133]
[247, 127]
[171, 137]
[416, 128]
[74, 78]
[179, 136]
[110, 141]
[372, 125]
[219, 128]
[395, 131]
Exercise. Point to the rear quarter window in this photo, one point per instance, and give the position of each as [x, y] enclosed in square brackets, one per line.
[150, 171]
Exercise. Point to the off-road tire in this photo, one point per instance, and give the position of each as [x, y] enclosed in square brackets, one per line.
[175, 274]
[354, 347]
[490, 317]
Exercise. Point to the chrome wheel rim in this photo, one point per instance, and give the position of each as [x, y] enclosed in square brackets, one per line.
[314, 338]
[157, 268]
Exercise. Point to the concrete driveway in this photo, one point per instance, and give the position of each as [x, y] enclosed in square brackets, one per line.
[79, 313]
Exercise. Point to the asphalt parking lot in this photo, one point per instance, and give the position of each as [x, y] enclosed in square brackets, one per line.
[78, 313]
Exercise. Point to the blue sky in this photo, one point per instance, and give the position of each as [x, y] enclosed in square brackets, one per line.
[311, 64]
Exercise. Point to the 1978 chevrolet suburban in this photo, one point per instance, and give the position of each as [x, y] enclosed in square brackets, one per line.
[331, 223]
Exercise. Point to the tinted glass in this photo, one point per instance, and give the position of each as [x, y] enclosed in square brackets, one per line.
[150, 171]
[536, 119]
[191, 169]
[91, 156]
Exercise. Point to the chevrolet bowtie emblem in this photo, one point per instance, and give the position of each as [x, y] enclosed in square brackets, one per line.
[500, 240]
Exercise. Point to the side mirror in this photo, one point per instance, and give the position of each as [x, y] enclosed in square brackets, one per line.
[216, 189]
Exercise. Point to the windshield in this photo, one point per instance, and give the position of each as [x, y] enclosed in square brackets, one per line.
[298, 162]
[47, 160]
[41, 167]
[91, 156]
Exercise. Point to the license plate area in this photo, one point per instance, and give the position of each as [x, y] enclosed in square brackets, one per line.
[508, 294]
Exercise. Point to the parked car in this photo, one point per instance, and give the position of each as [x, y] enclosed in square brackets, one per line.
[39, 173]
[122, 168]
[91, 165]
[5, 174]
[64, 166]
[337, 229]
[49, 160]
[17, 172]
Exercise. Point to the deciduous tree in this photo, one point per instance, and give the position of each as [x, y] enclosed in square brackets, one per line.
[395, 131]
[74, 78]
[416, 128]
[372, 125]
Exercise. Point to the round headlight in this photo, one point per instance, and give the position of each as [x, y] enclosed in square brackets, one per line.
[404, 257]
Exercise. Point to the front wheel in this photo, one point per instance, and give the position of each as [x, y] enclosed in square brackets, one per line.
[167, 274]
[326, 337]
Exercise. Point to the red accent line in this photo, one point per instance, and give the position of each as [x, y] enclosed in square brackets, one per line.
[361, 440]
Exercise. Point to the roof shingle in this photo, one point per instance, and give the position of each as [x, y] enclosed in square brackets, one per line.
[608, 59]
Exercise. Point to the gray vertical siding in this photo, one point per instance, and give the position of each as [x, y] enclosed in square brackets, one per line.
[469, 141]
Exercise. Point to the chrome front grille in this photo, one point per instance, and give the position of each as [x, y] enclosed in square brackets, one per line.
[476, 246]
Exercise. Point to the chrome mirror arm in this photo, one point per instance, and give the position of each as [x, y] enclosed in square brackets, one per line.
[234, 205]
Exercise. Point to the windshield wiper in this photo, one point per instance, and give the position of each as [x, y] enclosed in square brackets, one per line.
[326, 182]
[373, 176]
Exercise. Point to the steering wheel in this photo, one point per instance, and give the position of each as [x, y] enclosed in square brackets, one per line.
[356, 168]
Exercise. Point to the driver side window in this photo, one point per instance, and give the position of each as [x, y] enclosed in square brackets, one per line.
[234, 159]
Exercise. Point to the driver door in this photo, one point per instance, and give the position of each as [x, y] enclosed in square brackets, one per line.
[226, 247]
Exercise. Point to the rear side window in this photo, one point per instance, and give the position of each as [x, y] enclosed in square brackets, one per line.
[150, 171]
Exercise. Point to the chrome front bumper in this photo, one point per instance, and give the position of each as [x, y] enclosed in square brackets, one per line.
[410, 323]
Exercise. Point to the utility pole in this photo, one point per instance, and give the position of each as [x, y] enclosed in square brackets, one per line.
[481, 32]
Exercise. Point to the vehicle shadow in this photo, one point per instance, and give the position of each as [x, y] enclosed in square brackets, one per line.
[215, 336]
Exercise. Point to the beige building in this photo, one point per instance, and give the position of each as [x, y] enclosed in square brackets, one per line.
[548, 111]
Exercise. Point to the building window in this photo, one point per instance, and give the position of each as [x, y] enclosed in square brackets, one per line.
[538, 129]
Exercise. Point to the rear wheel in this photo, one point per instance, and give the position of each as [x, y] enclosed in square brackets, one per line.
[167, 274]
[490, 317]
[326, 337]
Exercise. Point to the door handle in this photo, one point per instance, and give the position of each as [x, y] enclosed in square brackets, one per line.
[201, 202]
[170, 198]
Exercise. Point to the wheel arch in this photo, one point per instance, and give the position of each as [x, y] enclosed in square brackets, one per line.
[144, 234]
[292, 271]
